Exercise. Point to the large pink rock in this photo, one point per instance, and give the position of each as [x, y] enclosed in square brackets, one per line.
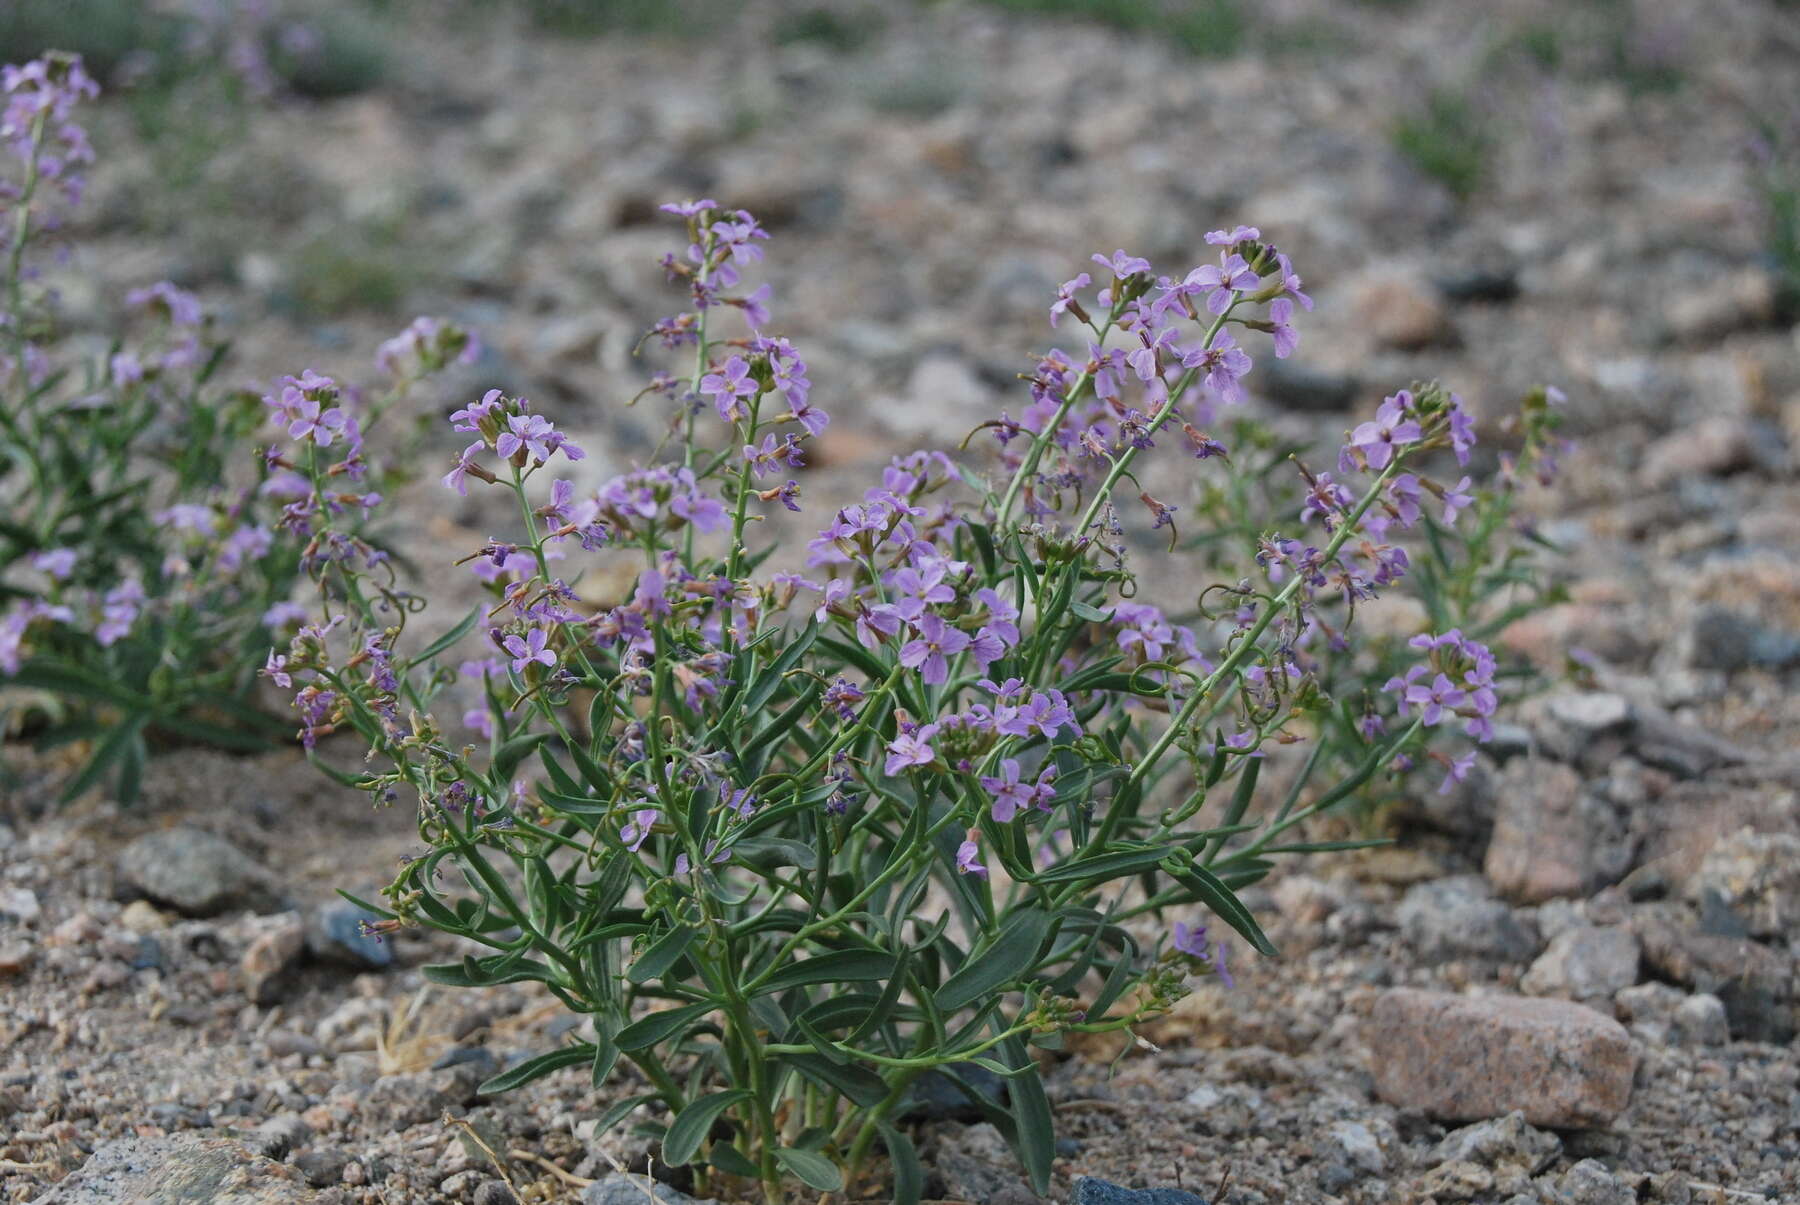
[1464, 1058]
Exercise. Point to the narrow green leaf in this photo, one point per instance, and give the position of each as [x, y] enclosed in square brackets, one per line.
[445, 642]
[1217, 896]
[1118, 864]
[1036, 1127]
[662, 955]
[733, 1162]
[839, 966]
[692, 1125]
[811, 1168]
[660, 1026]
[859, 1084]
[536, 1068]
[622, 1109]
[1013, 953]
[909, 1173]
[112, 750]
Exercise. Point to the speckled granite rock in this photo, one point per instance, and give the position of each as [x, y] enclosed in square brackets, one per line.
[1462, 1058]
[181, 1170]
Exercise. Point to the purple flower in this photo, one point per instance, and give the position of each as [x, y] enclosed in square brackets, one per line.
[1459, 770]
[1290, 283]
[1456, 498]
[910, 749]
[1065, 298]
[283, 615]
[458, 477]
[633, 832]
[180, 307]
[936, 643]
[1231, 238]
[528, 649]
[1281, 310]
[1225, 365]
[1232, 275]
[1433, 700]
[1122, 265]
[57, 562]
[1191, 942]
[1462, 431]
[470, 416]
[966, 859]
[728, 387]
[1012, 796]
[1391, 430]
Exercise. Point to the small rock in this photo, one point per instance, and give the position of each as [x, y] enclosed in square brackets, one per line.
[278, 1136]
[180, 1168]
[494, 1192]
[1700, 1021]
[621, 1189]
[398, 1101]
[20, 905]
[1492, 284]
[16, 956]
[194, 872]
[1467, 1058]
[934, 1096]
[1352, 1143]
[1551, 837]
[1400, 313]
[1709, 448]
[283, 1042]
[1585, 963]
[977, 1165]
[1590, 712]
[452, 1187]
[334, 934]
[322, 1168]
[1757, 875]
[141, 916]
[1591, 1183]
[1504, 1143]
[1752, 981]
[1457, 918]
[1089, 1191]
[1455, 1182]
[270, 958]
[1306, 389]
[942, 389]
[1727, 641]
[1738, 300]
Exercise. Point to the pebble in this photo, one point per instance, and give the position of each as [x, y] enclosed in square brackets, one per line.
[1590, 1182]
[1584, 963]
[16, 956]
[1465, 1058]
[20, 905]
[1503, 1142]
[1551, 837]
[334, 934]
[1091, 1191]
[1355, 1144]
[413, 1098]
[621, 1189]
[1722, 639]
[1754, 983]
[194, 872]
[1589, 712]
[180, 1168]
[1400, 313]
[1700, 1020]
[322, 1168]
[1708, 448]
[494, 1192]
[1458, 918]
[1757, 875]
[269, 959]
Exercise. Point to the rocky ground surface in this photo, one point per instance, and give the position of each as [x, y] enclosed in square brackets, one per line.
[1573, 981]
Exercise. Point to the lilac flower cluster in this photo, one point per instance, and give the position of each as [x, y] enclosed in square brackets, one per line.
[36, 126]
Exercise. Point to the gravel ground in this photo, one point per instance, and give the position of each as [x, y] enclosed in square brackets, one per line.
[1637, 849]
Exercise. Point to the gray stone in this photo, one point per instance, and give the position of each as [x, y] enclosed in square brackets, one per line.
[280, 1135]
[1752, 981]
[1300, 387]
[322, 1168]
[1591, 1183]
[1354, 1144]
[195, 872]
[494, 1192]
[334, 934]
[1503, 1143]
[268, 963]
[1726, 640]
[1700, 1020]
[1589, 712]
[413, 1098]
[1089, 1191]
[180, 1168]
[1585, 963]
[1457, 918]
[1756, 875]
[621, 1189]
[1551, 837]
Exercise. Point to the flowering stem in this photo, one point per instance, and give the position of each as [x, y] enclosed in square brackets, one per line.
[1201, 693]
